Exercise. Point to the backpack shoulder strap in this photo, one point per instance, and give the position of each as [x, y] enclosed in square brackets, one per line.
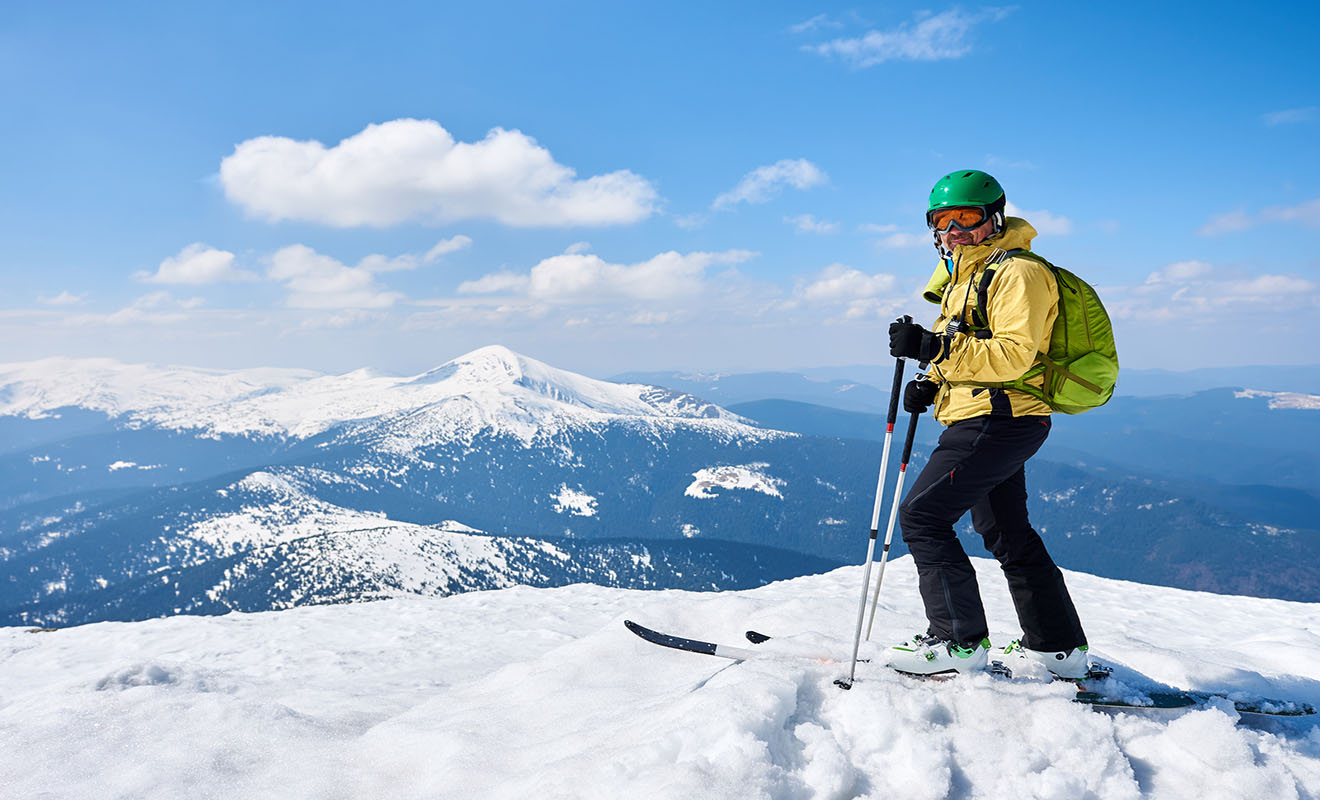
[979, 316]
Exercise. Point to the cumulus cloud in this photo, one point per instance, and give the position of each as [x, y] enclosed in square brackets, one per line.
[1043, 221]
[764, 183]
[411, 170]
[587, 278]
[1196, 291]
[320, 281]
[860, 295]
[196, 264]
[1306, 214]
[1290, 116]
[929, 37]
[807, 223]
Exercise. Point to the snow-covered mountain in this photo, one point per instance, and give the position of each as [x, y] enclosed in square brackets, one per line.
[490, 390]
[542, 693]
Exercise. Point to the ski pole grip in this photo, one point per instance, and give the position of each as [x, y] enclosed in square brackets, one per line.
[907, 441]
[896, 391]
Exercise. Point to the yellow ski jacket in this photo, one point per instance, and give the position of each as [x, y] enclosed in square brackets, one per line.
[1022, 304]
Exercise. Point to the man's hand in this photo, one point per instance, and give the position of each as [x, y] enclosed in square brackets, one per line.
[909, 340]
[918, 395]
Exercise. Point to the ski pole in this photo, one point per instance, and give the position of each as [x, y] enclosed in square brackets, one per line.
[893, 510]
[875, 516]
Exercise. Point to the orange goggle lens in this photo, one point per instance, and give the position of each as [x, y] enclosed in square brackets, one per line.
[964, 218]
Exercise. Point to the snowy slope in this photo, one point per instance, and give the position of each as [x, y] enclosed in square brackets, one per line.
[491, 390]
[523, 693]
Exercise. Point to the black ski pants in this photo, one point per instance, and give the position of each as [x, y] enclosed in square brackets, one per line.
[978, 466]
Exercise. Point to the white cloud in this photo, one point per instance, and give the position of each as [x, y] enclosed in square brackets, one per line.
[496, 283]
[764, 183]
[807, 223]
[578, 247]
[1289, 116]
[196, 264]
[319, 281]
[651, 318]
[900, 241]
[1043, 221]
[1198, 292]
[841, 282]
[857, 295]
[413, 170]
[871, 227]
[928, 38]
[1306, 214]
[64, 298]
[1179, 272]
[816, 23]
[587, 278]
[156, 308]
[446, 246]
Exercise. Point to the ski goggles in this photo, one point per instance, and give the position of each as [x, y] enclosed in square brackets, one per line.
[964, 218]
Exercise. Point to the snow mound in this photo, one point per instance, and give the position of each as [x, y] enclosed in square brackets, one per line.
[525, 692]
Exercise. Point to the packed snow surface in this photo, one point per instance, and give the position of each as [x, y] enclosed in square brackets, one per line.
[490, 389]
[747, 476]
[521, 692]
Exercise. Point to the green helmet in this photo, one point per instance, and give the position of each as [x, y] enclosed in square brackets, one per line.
[970, 187]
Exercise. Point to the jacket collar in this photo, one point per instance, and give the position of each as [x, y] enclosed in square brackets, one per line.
[1017, 235]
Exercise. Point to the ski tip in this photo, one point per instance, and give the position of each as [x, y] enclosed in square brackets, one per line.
[757, 638]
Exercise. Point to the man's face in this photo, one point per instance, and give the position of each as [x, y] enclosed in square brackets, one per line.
[953, 237]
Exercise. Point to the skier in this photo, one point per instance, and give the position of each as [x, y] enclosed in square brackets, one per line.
[990, 432]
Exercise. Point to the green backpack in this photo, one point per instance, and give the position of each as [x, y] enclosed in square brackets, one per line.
[1081, 367]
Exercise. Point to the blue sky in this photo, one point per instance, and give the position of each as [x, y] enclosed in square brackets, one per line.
[610, 186]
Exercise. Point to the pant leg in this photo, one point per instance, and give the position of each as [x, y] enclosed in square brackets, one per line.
[973, 457]
[1045, 609]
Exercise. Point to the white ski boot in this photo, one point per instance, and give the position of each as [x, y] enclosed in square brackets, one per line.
[1073, 665]
[928, 655]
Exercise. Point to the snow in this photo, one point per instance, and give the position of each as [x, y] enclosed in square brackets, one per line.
[747, 476]
[1295, 400]
[523, 692]
[574, 501]
[492, 389]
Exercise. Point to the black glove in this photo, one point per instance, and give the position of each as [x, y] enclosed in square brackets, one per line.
[909, 340]
[918, 395]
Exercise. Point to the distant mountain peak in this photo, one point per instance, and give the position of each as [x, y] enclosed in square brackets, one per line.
[491, 389]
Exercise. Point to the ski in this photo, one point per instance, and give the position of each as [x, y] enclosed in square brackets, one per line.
[691, 645]
[718, 650]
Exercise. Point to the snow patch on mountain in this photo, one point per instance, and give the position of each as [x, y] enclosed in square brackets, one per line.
[1283, 399]
[746, 476]
[574, 501]
[278, 506]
